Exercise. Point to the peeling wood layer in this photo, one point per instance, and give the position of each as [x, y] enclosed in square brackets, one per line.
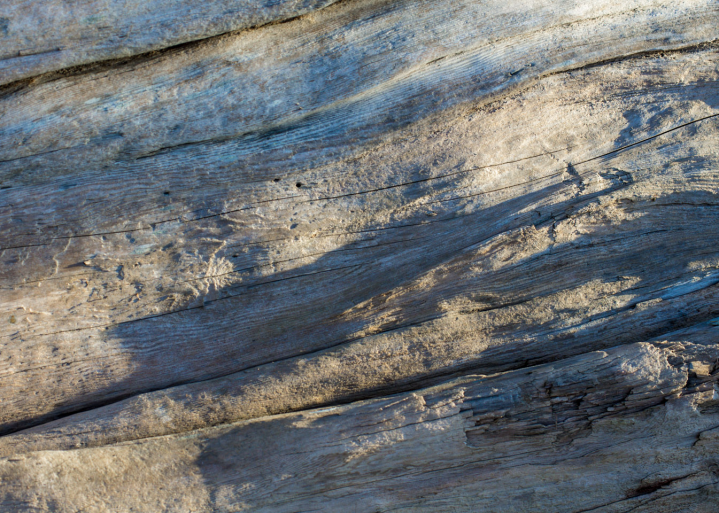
[629, 418]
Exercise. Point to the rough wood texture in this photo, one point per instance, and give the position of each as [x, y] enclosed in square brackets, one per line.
[38, 37]
[432, 256]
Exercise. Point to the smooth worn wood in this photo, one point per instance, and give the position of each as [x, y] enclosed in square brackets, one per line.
[40, 37]
[423, 256]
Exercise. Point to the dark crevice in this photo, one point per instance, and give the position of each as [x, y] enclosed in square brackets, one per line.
[632, 498]
[410, 385]
[139, 59]
[712, 44]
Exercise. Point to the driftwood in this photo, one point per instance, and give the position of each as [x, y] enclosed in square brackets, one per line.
[359, 256]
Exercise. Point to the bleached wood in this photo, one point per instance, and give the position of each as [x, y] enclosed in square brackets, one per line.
[623, 430]
[52, 35]
[375, 199]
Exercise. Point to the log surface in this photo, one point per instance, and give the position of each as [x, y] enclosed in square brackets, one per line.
[359, 256]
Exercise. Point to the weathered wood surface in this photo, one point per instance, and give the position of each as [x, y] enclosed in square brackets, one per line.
[512, 203]
[39, 37]
[633, 424]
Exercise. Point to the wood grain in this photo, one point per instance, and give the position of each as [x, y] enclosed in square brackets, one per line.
[634, 419]
[383, 256]
[43, 37]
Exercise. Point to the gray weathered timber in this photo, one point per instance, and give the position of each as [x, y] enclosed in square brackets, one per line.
[40, 37]
[628, 429]
[202, 230]
[423, 256]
